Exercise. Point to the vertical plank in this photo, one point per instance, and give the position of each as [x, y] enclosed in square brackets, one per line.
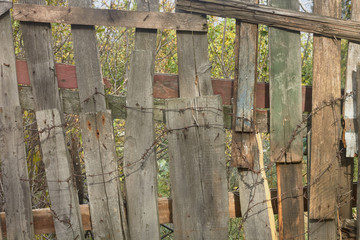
[105, 198]
[12, 147]
[139, 153]
[193, 64]
[102, 175]
[258, 217]
[325, 128]
[197, 168]
[286, 114]
[63, 196]
[357, 95]
[64, 200]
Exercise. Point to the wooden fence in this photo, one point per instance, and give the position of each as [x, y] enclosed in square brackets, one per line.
[195, 117]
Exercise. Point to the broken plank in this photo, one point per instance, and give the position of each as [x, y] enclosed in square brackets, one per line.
[12, 146]
[275, 17]
[197, 168]
[109, 17]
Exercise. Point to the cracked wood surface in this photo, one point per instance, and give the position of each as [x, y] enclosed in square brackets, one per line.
[12, 146]
[197, 167]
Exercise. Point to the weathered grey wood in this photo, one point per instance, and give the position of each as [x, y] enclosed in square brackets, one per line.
[98, 141]
[246, 78]
[102, 175]
[139, 152]
[193, 64]
[286, 145]
[106, 17]
[357, 95]
[255, 199]
[275, 17]
[64, 200]
[197, 167]
[353, 59]
[12, 147]
[322, 229]
[325, 135]
[88, 69]
[5, 5]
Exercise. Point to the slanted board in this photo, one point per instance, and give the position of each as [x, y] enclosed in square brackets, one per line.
[139, 153]
[246, 78]
[325, 134]
[63, 197]
[193, 64]
[12, 146]
[88, 69]
[109, 17]
[102, 175]
[255, 199]
[197, 168]
[353, 60]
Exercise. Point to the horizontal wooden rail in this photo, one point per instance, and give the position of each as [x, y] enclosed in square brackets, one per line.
[275, 17]
[166, 85]
[109, 17]
[43, 218]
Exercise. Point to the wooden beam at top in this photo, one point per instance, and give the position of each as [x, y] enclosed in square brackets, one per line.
[275, 17]
[109, 17]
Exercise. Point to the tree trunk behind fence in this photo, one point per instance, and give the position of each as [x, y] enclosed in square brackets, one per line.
[12, 147]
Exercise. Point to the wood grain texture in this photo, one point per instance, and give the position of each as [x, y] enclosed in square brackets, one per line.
[12, 147]
[102, 175]
[63, 197]
[139, 154]
[5, 5]
[286, 145]
[64, 200]
[193, 64]
[318, 23]
[88, 69]
[197, 167]
[82, 15]
[353, 59]
[255, 199]
[358, 132]
[325, 136]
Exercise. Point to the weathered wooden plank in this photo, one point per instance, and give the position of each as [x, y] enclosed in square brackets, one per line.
[317, 23]
[197, 167]
[193, 63]
[353, 59]
[102, 175]
[357, 95]
[5, 5]
[139, 154]
[286, 144]
[255, 199]
[64, 201]
[325, 135]
[82, 15]
[12, 146]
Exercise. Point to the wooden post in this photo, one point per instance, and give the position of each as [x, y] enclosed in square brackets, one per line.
[197, 168]
[258, 217]
[105, 198]
[12, 147]
[325, 131]
[63, 197]
[357, 98]
[285, 108]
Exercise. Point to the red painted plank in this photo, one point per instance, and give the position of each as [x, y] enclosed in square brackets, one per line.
[165, 85]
